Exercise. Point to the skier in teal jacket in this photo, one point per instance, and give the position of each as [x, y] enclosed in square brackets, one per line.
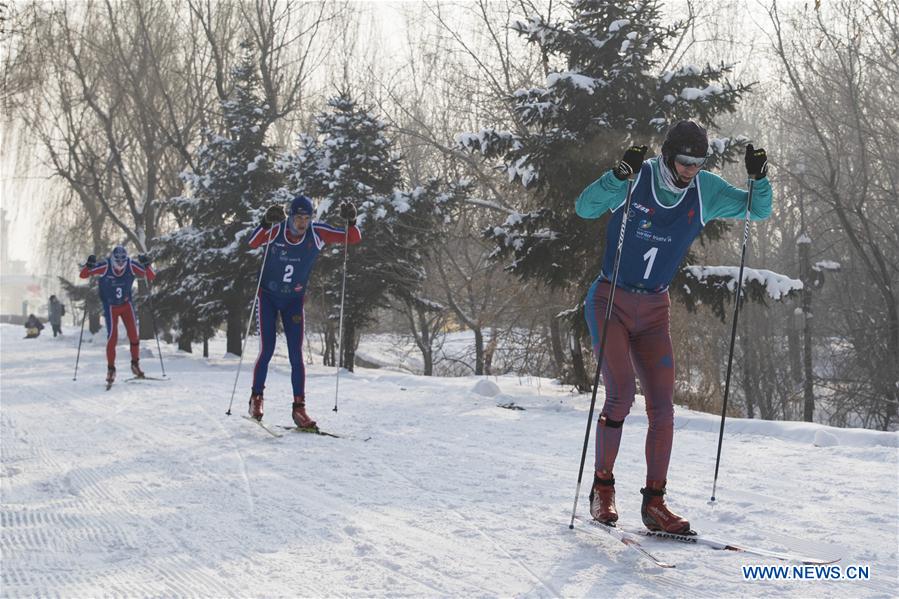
[672, 200]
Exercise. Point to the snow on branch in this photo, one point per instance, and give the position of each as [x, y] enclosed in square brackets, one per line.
[827, 265]
[776, 285]
[714, 287]
[489, 141]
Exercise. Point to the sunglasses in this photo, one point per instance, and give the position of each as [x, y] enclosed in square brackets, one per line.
[690, 160]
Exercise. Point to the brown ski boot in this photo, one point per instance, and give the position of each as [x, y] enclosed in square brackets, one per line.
[602, 498]
[110, 375]
[656, 515]
[135, 369]
[300, 417]
[256, 406]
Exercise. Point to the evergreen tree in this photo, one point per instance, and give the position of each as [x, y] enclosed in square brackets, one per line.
[603, 94]
[352, 159]
[210, 273]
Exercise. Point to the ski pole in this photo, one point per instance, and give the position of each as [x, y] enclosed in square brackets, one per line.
[346, 247]
[155, 331]
[80, 337]
[602, 344]
[733, 336]
[250, 321]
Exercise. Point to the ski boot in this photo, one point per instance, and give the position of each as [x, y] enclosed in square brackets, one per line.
[135, 369]
[300, 417]
[656, 515]
[110, 375]
[602, 498]
[256, 406]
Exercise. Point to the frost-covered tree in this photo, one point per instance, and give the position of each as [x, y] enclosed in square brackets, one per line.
[210, 273]
[352, 159]
[604, 89]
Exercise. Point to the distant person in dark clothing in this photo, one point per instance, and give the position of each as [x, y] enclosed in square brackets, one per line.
[33, 327]
[55, 311]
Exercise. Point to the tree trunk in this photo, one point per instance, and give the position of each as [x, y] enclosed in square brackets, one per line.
[185, 342]
[145, 312]
[555, 335]
[489, 352]
[581, 381]
[478, 351]
[795, 350]
[891, 390]
[234, 331]
[427, 351]
[808, 386]
[93, 322]
[205, 346]
[348, 347]
[750, 374]
[329, 345]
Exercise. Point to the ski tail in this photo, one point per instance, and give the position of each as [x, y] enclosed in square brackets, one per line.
[262, 425]
[625, 537]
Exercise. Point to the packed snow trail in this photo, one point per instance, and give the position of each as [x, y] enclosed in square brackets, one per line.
[149, 489]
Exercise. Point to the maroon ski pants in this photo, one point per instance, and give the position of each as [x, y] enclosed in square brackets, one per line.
[638, 345]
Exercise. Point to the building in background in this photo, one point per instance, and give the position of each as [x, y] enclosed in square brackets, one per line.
[21, 292]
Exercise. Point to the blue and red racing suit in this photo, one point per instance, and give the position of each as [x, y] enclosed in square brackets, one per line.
[282, 288]
[115, 293]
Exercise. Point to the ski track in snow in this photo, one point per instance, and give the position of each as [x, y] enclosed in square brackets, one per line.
[150, 490]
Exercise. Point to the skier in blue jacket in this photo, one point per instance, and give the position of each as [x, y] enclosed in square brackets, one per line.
[672, 201]
[295, 242]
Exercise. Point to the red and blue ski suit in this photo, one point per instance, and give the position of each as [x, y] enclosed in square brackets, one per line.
[282, 289]
[115, 293]
[660, 228]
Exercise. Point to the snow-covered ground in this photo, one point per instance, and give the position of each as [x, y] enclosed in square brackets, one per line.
[149, 489]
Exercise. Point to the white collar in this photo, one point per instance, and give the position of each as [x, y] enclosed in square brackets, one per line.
[666, 178]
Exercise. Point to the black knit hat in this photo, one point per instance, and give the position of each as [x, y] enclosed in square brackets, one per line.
[687, 138]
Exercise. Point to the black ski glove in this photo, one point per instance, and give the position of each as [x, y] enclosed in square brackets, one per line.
[630, 163]
[274, 214]
[348, 213]
[756, 162]
[144, 260]
[91, 261]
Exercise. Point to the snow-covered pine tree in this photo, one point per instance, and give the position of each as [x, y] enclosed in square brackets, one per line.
[352, 159]
[604, 90]
[210, 274]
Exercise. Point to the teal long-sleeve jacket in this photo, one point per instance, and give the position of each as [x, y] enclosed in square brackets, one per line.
[720, 199]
